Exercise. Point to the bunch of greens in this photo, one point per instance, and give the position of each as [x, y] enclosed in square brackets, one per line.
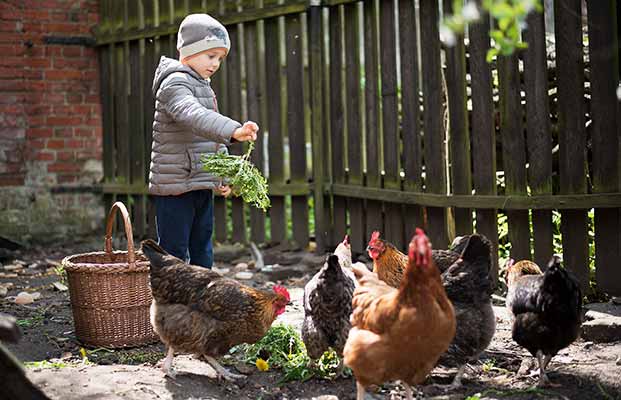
[282, 347]
[246, 180]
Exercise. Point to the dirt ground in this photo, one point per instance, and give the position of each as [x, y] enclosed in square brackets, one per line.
[585, 370]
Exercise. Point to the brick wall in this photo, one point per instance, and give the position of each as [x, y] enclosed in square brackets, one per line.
[50, 120]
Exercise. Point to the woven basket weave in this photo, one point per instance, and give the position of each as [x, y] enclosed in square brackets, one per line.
[110, 293]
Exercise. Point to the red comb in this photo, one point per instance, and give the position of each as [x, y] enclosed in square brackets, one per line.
[282, 290]
[419, 231]
[374, 236]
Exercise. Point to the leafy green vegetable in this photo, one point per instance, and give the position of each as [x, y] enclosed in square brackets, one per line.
[283, 348]
[245, 179]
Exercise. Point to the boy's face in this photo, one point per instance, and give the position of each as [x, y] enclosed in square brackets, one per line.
[207, 62]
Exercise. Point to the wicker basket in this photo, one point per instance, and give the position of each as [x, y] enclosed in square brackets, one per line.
[110, 293]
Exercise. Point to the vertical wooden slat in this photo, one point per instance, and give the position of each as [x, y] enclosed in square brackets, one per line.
[295, 125]
[539, 140]
[275, 129]
[483, 133]
[572, 133]
[337, 122]
[433, 126]
[374, 220]
[254, 99]
[315, 26]
[136, 131]
[459, 138]
[121, 132]
[410, 125]
[604, 59]
[233, 65]
[513, 152]
[354, 124]
[388, 56]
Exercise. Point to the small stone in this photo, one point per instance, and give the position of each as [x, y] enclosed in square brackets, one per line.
[3, 291]
[60, 287]
[35, 295]
[617, 300]
[7, 275]
[602, 330]
[243, 275]
[618, 362]
[13, 267]
[221, 271]
[24, 298]
[66, 355]
[588, 345]
[242, 266]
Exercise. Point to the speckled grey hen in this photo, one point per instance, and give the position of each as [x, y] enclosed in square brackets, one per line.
[198, 311]
[327, 305]
[469, 287]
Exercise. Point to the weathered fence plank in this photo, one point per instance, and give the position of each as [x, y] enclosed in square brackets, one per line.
[572, 133]
[374, 220]
[295, 125]
[354, 124]
[410, 121]
[483, 132]
[337, 123]
[604, 109]
[539, 139]
[393, 224]
[433, 124]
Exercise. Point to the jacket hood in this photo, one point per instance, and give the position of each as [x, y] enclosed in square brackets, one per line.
[168, 66]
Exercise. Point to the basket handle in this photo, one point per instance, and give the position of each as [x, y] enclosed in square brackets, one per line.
[131, 256]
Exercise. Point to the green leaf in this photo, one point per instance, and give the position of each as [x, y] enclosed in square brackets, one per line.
[491, 53]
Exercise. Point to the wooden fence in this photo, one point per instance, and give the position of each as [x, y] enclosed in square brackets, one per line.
[356, 128]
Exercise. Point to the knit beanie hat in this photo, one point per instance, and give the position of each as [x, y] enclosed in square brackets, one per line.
[200, 32]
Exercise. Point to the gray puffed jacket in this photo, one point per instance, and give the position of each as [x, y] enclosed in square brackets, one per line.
[186, 125]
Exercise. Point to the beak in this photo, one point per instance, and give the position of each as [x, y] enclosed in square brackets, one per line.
[290, 303]
[368, 248]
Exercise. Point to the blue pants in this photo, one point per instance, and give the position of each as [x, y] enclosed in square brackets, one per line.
[185, 224]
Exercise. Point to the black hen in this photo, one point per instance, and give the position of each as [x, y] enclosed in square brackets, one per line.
[469, 287]
[546, 310]
[328, 305]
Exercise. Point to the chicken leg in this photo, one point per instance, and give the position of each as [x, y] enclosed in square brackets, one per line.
[360, 390]
[543, 361]
[221, 371]
[167, 364]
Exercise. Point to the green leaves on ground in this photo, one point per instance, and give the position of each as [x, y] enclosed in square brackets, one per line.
[282, 347]
[245, 179]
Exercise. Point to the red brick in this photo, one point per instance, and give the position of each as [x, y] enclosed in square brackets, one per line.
[85, 132]
[38, 109]
[55, 98]
[36, 120]
[39, 132]
[55, 144]
[12, 50]
[64, 121]
[44, 156]
[73, 98]
[10, 14]
[73, 51]
[64, 179]
[82, 63]
[63, 167]
[36, 144]
[61, 110]
[37, 13]
[34, 27]
[34, 62]
[11, 72]
[88, 155]
[33, 74]
[12, 180]
[61, 28]
[74, 144]
[9, 26]
[54, 74]
[12, 99]
[65, 156]
[12, 85]
[10, 61]
[37, 85]
[63, 132]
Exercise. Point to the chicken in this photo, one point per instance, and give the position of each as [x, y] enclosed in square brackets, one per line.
[327, 305]
[198, 311]
[399, 333]
[389, 263]
[469, 287]
[546, 309]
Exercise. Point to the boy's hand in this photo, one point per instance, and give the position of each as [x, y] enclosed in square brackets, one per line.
[223, 190]
[248, 131]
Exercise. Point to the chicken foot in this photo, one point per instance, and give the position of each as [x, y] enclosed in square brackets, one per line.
[543, 361]
[221, 371]
[167, 364]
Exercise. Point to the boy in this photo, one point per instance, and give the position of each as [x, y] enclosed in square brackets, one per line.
[186, 125]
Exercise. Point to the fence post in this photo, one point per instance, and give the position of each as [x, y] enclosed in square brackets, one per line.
[315, 39]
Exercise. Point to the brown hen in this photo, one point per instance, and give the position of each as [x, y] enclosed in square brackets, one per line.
[196, 310]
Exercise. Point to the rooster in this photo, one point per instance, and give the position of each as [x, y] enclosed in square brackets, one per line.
[465, 275]
[399, 334]
[546, 309]
[196, 310]
[327, 305]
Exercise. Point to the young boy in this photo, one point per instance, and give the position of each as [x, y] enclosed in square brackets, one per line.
[187, 125]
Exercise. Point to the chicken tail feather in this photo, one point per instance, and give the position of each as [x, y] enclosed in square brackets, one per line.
[477, 247]
[158, 257]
